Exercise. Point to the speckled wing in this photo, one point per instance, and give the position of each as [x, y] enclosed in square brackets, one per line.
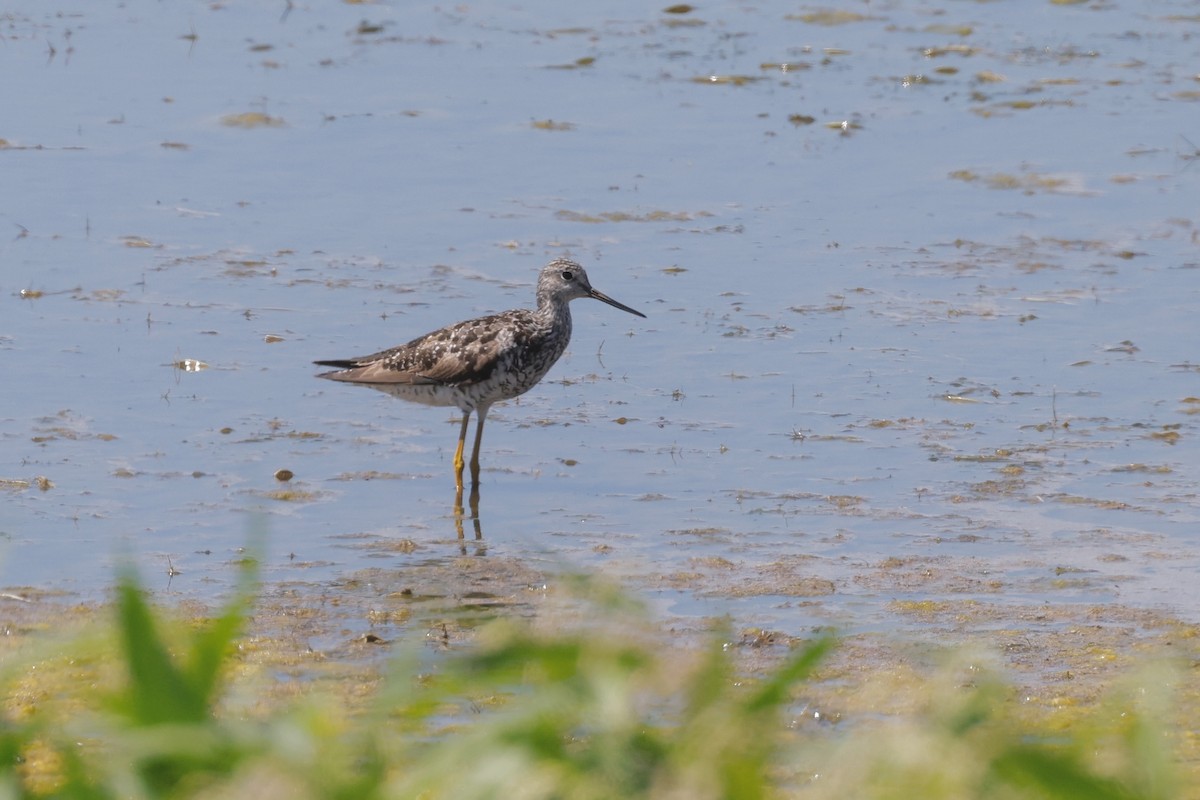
[458, 355]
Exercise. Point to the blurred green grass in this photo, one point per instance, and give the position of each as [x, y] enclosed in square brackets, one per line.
[605, 707]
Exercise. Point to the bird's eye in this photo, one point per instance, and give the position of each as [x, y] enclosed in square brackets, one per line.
[568, 275]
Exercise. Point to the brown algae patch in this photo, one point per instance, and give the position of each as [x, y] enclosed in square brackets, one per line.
[374, 475]
[927, 576]
[455, 584]
[627, 216]
[727, 80]
[551, 125]
[292, 495]
[252, 119]
[830, 17]
[1028, 183]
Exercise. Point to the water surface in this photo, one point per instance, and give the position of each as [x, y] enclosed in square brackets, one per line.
[921, 284]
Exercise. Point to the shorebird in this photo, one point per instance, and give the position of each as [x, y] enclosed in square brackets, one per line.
[478, 362]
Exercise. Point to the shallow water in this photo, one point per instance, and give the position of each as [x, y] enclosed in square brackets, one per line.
[921, 303]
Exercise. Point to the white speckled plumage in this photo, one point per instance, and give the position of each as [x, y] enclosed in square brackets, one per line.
[478, 362]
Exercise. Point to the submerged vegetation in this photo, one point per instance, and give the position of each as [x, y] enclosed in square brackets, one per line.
[596, 708]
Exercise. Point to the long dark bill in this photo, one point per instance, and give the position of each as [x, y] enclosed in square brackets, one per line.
[603, 298]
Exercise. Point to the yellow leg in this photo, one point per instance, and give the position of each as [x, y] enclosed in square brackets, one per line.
[458, 454]
[480, 416]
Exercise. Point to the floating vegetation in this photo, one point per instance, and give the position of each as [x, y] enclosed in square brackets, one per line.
[828, 16]
[1029, 182]
[1170, 435]
[844, 126]
[189, 365]
[252, 119]
[366, 28]
[987, 458]
[372, 475]
[623, 216]
[66, 425]
[43, 484]
[579, 63]
[844, 501]
[6, 144]
[704, 532]
[784, 66]
[1094, 502]
[290, 495]
[551, 125]
[831, 308]
[1153, 469]
[683, 22]
[727, 80]
[949, 30]
[1019, 105]
[780, 581]
[948, 50]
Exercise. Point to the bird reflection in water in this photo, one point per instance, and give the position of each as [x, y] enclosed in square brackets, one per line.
[460, 514]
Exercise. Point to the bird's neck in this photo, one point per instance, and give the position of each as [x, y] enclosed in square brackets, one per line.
[554, 314]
